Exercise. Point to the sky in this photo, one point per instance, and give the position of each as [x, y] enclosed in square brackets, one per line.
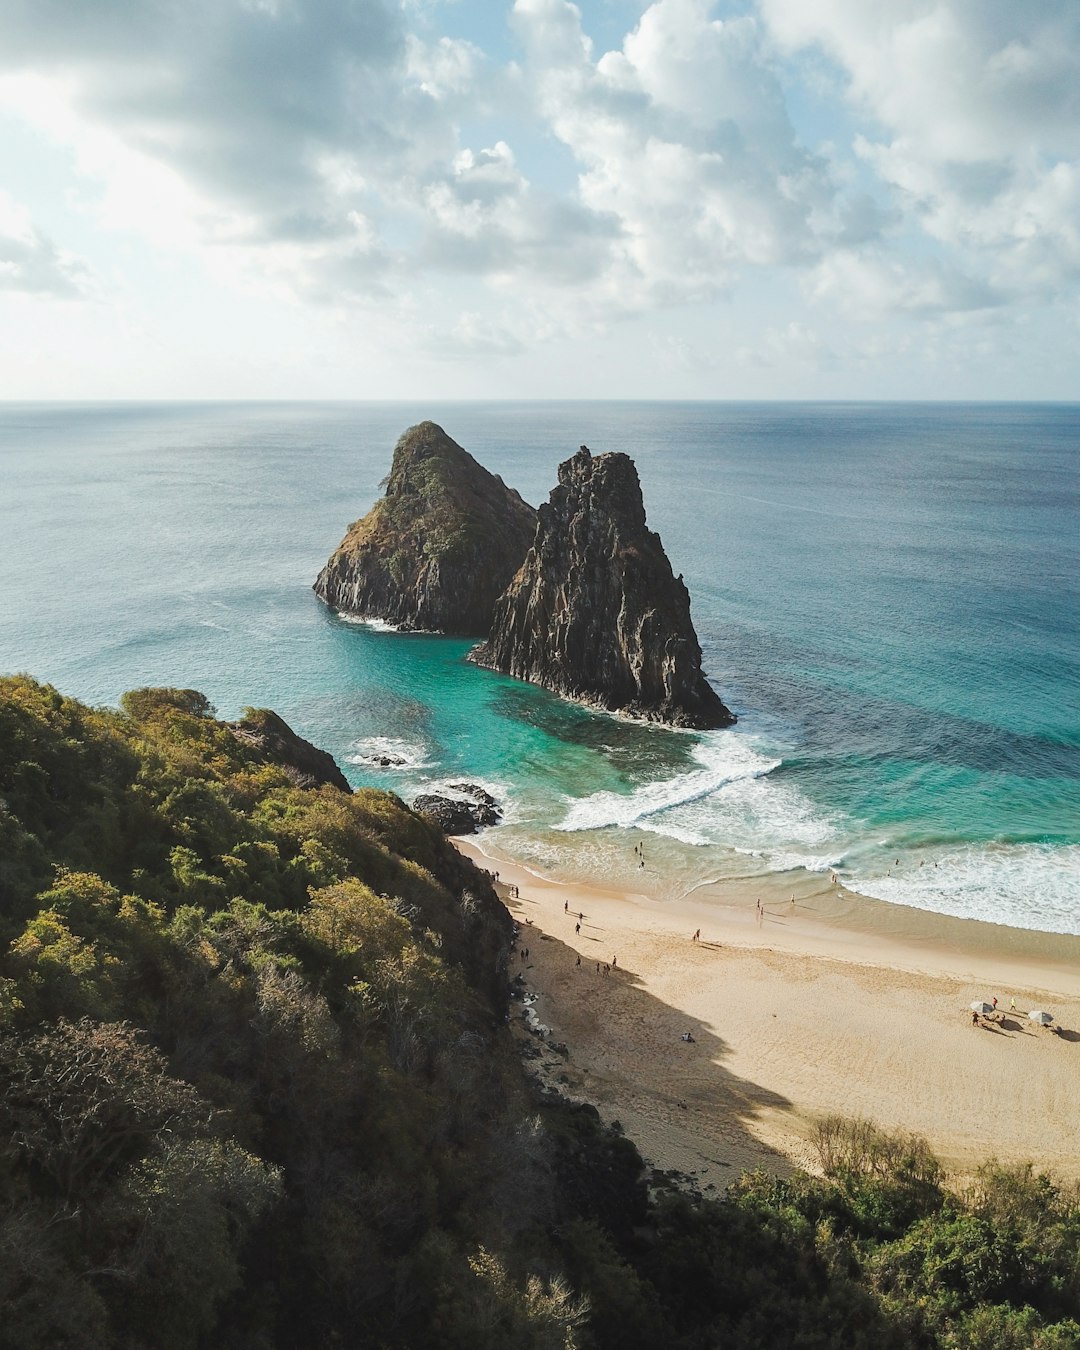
[363, 199]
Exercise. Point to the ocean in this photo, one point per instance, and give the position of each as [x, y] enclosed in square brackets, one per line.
[887, 595]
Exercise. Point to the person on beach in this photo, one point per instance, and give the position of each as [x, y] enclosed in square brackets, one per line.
[577, 928]
[1012, 1005]
[614, 963]
[565, 906]
[607, 969]
[598, 967]
[697, 935]
[581, 918]
[579, 960]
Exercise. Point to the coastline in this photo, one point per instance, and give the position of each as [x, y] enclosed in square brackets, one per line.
[838, 1004]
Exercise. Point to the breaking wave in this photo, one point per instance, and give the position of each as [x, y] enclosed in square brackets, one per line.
[1021, 885]
[723, 763]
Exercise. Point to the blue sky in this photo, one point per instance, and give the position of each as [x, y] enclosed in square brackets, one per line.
[353, 199]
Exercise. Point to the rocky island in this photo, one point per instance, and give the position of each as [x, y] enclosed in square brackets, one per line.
[438, 549]
[595, 612]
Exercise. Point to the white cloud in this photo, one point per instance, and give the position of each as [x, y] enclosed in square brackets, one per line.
[443, 69]
[31, 262]
[259, 133]
[977, 106]
[683, 140]
[870, 285]
[772, 168]
[473, 335]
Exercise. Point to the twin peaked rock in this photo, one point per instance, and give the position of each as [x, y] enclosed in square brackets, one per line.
[578, 597]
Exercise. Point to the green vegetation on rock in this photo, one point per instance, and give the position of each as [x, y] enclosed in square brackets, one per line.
[437, 550]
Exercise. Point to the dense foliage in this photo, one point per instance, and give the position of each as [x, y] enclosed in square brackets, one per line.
[257, 1091]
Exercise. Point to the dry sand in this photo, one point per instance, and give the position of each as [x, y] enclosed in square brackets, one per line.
[845, 1006]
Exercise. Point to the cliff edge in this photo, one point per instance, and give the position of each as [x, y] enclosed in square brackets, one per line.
[438, 549]
[595, 612]
[305, 764]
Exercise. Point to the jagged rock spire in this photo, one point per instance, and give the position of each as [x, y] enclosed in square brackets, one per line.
[595, 612]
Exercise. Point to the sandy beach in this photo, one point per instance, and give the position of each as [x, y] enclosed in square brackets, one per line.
[836, 1004]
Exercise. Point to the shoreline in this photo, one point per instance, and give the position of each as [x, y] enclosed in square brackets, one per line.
[838, 1004]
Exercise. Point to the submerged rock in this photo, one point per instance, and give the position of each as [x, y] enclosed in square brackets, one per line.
[438, 549]
[595, 612]
[305, 764]
[476, 810]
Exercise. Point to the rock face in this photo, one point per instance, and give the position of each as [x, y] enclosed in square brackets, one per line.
[595, 612]
[305, 764]
[439, 548]
[454, 815]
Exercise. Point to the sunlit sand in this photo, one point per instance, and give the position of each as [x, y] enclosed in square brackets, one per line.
[796, 1015]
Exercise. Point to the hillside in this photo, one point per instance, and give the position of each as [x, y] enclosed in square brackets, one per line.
[258, 1090]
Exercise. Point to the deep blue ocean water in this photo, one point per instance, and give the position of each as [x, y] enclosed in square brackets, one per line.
[887, 595]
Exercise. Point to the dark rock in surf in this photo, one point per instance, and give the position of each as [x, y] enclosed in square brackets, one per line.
[438, 549]
[305, 764]
[453, 815]
[595, 612]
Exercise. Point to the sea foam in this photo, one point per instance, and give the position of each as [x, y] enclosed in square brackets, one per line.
[1021, 885]
[414, 755]
[723, 761]
[363, 621]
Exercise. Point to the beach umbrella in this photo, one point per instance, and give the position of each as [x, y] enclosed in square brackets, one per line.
[983, 1009]
[1043, 1018]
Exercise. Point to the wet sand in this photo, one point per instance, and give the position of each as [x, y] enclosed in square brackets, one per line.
[838, 1004]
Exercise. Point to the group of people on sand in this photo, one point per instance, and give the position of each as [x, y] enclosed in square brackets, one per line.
[980, 1019]
[977, 1018]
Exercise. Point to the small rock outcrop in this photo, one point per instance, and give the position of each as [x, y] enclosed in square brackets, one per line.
[595, 612]
[305, 764]
[438, 549]
[474, 810]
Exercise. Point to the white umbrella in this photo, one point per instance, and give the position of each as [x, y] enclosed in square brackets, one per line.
[983, 1009]
[1043, 1018]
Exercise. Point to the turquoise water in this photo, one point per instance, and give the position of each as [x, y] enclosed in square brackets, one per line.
[887, 595]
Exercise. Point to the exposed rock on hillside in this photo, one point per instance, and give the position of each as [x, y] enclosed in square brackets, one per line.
[437, 551]
[305, 764]
[595, 612]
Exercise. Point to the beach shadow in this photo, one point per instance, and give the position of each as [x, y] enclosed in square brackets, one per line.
[1063, 1035]
[670, 1084]
[995, 1027]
